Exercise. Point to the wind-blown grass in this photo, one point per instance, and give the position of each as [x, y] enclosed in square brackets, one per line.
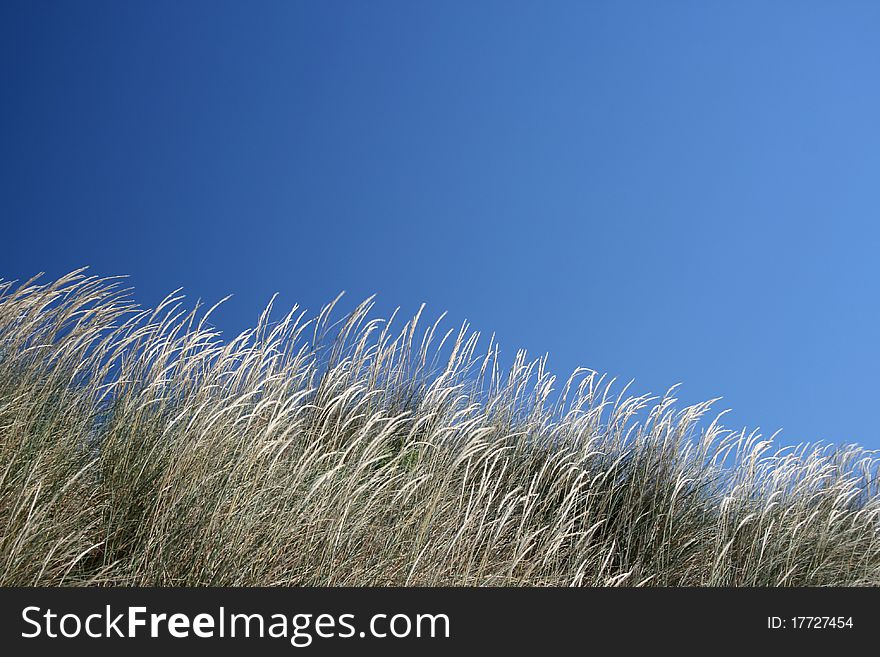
[139, 448]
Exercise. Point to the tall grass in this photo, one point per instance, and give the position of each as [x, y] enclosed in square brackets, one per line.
[139, 448]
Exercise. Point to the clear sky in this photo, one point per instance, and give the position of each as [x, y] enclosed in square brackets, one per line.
[667, 191]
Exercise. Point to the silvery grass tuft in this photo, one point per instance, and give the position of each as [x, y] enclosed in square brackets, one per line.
[139, 448]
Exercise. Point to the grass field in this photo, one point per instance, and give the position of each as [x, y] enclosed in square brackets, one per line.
[138, 447]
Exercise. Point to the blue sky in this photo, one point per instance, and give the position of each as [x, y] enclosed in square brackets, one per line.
[671, 192]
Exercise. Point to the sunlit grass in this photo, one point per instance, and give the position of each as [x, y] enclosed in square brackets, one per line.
[137, 447]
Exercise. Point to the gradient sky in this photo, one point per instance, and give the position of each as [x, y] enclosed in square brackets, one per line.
[666, 191]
